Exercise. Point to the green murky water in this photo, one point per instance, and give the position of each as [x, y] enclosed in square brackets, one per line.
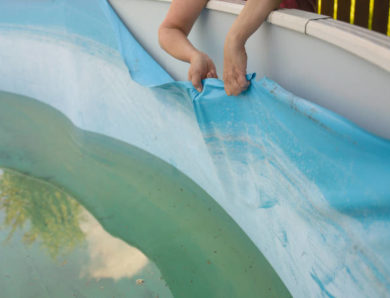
[53, 247]
[101, 218]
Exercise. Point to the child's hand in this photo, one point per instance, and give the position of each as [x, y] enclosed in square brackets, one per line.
[202, 67]
[234, 67]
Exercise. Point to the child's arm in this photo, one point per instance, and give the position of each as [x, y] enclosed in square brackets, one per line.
[173, 34]
[235, 59]
[175, 28]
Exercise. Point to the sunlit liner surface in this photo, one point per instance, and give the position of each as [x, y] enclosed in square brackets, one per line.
[309, 188]
[199, 249]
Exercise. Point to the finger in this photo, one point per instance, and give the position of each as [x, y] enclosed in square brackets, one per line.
[231, 87]
[235, 87]
[227, 90]
[227, 79]
[238, 84]
[196, 81]
[243, 83]
[227, 85]
[211, 74]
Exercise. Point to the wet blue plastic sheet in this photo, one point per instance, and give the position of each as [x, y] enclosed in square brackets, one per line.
[310, 189]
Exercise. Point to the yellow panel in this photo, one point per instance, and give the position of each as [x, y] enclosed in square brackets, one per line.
[370, 14]
[352, 12]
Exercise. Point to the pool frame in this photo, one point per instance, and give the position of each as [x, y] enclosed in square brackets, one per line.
[342, 67]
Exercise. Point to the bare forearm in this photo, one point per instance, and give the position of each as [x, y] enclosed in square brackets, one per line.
[251, 17]
[235, 58]
[177, 25]
[176, 43]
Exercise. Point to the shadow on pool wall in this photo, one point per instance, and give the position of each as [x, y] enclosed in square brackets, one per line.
[309, 188]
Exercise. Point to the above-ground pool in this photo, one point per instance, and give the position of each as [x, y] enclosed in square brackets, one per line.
[118, 181]
[134, 196]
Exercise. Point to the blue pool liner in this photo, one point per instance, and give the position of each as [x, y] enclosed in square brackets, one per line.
[310, 188]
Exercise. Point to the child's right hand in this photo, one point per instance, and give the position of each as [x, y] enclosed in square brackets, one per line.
[202, 67]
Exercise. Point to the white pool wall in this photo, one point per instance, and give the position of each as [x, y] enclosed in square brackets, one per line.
[341, 67]
[40, 64]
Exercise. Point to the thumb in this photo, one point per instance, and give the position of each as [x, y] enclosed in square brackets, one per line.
[196, 81]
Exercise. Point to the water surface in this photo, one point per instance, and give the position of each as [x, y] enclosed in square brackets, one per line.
[136, 198]
[51, 246]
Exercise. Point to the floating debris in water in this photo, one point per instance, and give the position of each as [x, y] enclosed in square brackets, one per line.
[139, 281]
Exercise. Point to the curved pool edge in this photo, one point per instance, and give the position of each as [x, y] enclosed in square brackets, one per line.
[339, 66]
[140, 199]
[161, 123]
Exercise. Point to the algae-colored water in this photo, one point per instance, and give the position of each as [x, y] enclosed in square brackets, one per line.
[53, 247]
[188, 245]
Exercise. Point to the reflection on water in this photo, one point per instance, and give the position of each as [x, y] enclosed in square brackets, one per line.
[136, 197]
[110, 257]
[36, 214]
[52, 216]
